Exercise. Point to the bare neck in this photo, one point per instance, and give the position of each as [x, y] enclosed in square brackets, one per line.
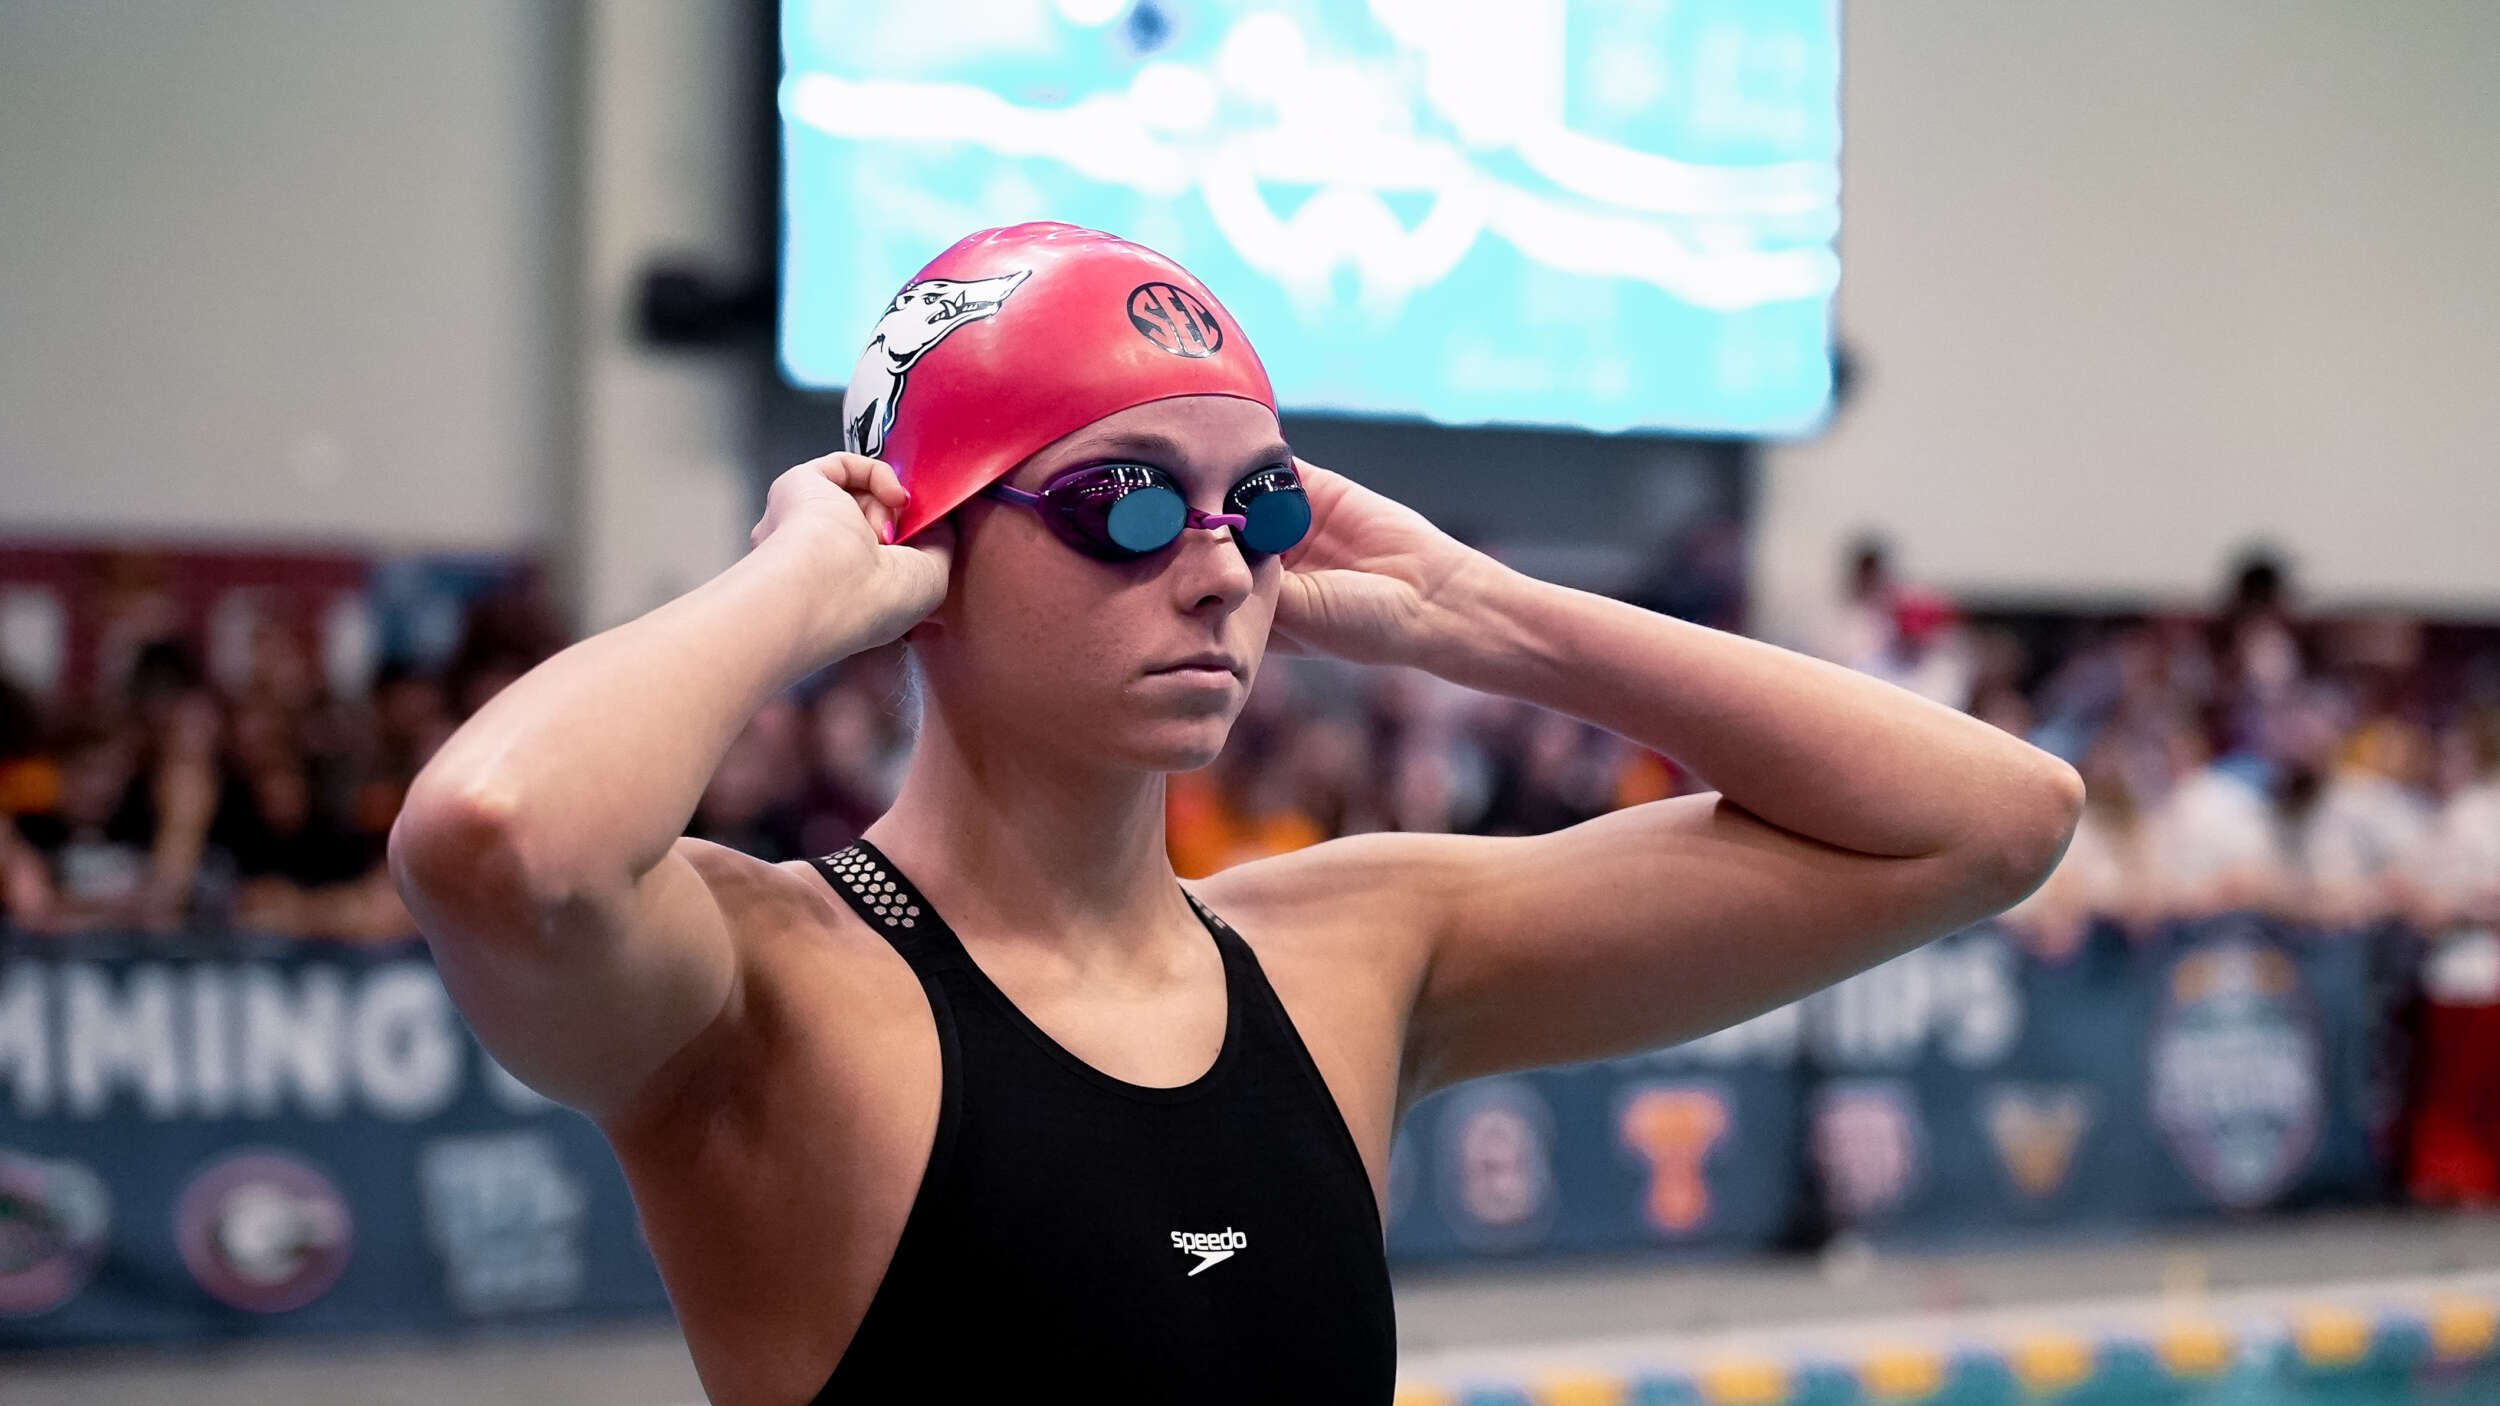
[1015, 844]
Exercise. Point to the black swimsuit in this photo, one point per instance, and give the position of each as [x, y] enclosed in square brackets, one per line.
[1076, 1236]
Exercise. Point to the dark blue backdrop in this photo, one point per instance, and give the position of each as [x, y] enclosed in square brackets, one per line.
[312, 1140]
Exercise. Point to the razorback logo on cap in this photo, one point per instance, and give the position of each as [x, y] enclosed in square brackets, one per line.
[919, 318]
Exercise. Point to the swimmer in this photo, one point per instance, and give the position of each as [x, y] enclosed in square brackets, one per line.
[991, 1105]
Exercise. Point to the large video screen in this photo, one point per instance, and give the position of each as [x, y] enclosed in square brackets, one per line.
[1610, 214]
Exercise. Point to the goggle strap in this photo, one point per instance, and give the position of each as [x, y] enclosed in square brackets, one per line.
[1011, 494]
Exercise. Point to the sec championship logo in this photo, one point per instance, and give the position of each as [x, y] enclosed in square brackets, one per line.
[2236, 1060]
[263, 1231]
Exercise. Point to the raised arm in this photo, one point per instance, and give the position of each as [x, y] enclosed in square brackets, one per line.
[540, 851]
[1853, 819]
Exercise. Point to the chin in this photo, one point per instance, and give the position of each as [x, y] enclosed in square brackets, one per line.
[1178, 744]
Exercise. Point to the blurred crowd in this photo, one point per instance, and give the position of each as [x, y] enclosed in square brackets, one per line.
[2340, 771]
[166, 805]
[1320, 750]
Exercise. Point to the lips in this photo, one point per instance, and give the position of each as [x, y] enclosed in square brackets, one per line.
[1224, 663]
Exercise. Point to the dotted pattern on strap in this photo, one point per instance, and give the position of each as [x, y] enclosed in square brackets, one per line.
[875, 886]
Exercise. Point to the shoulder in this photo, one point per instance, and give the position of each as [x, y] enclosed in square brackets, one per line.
[777, 909]
[1372, 897]
[797, 945]
[813, 981]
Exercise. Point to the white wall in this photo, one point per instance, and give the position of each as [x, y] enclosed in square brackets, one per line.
[281, 268]
[663, 497]
[2132, 284]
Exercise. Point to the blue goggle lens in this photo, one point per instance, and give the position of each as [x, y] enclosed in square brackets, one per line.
[1279, 516]
[1144, 519]
[1124, 511]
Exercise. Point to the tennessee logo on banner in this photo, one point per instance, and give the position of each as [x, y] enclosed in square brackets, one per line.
[2036, 1130]
[1674, 1127]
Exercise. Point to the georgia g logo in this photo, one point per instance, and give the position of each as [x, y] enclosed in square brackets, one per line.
[919, 318]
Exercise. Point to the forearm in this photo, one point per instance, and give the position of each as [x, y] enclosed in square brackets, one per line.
[590, 764]
[1805, 744]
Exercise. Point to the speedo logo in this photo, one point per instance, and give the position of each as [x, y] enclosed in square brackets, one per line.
[1211, 1247]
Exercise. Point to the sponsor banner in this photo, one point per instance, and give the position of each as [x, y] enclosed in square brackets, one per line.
[2230, 1064]
[310, 1140]
[1965, 1088]
[1689, 1148]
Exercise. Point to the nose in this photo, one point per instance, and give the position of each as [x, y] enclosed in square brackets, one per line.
[1222, 573]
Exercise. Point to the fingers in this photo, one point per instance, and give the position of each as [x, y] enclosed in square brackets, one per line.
[874, 478]
[937, 540]
[887, 485]
[879, 489]
[860, 474]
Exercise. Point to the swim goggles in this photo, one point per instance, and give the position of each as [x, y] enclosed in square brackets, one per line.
[1122, 511]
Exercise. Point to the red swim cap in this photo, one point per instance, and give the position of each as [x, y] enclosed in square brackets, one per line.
[1018, 336]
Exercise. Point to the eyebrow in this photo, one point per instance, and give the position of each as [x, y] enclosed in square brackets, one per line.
[1163, 447]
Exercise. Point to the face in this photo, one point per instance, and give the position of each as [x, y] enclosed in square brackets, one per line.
[1042, 648]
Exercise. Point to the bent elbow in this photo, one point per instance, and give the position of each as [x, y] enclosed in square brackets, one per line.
[456, 864]
[2031, 834]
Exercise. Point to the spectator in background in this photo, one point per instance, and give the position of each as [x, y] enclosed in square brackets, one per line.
[752, 802]
[410, 718]
[121, 845]
[1858, 632]
[2260, 637]
[2453, 1139]
[300, 869]
[1550, 771]
[1320, 786]
[2076, 701]
[1433, 776]
[2460, 866]
[2107, 870]
[2256, 644]
[404, 719]
[80, 862]
[1427, 791]
[1697, 573]
[2004, 706]
[2215, 841]
[507, 634]
[29, 781]
[1931, 653]
[2363, 842]
[856, 745]
[1902, 634]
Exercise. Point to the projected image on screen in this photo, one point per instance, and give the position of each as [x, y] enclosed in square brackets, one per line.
[1602, 213]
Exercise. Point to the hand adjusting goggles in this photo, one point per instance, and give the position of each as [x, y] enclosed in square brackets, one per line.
[1124, 511]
